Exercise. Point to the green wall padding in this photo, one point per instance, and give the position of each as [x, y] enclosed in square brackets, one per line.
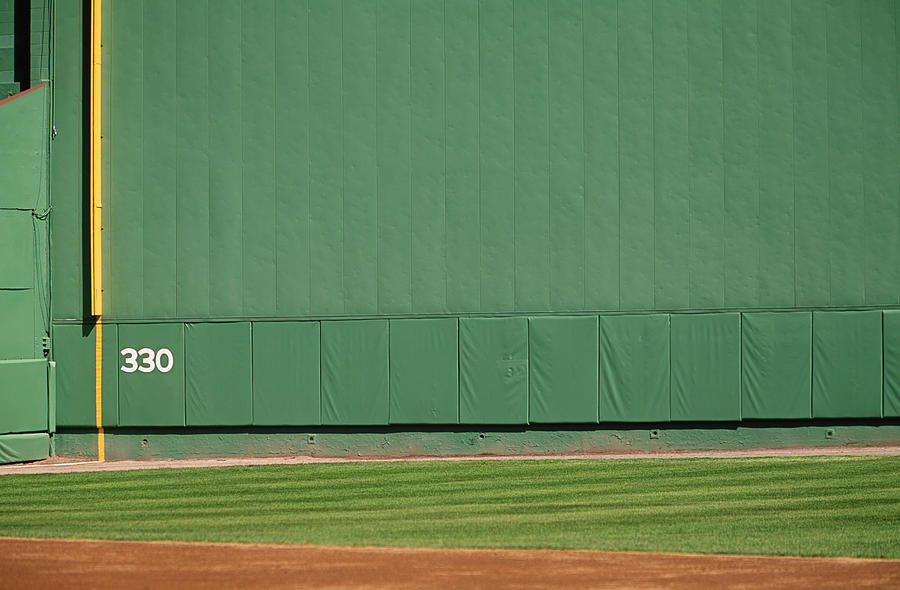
[17, 324]
[892, 363]
[355, 366]
[16, 249]
[424, 371]
[563, 366]
[15, 448]
[706, 366]
[73, 350]
[286, 364]
[493, 370]
[218, 374]
[776, 351]
[23, 150]
[634, 368]
[23, 396]
[847, 364]
[149, 396]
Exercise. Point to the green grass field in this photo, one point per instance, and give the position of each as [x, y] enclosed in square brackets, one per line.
[840, 506]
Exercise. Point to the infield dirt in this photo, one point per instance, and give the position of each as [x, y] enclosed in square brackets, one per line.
[72, 563]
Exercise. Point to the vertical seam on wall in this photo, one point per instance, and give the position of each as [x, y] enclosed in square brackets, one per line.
[812, 362]
[275, 143]
[321, 372]
[343, 300]
[827, 159]
[309, 181]
[477, 153]
[409, 170]
[444, 128]
[549, 173]
[252, 397]
[389, 404]
[723, 272]
[862, 129]
[652, 162]
[515, 285]
[377, 167]
[790, 12]
[687, 39]
[175, 154]
[584, 165]
[618, 162]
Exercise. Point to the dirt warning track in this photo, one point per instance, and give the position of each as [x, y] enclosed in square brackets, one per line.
[64, 563]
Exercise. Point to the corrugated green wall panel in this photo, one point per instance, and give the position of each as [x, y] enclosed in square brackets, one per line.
[892, 363]
[149, 396]
[325, 158]
[258, 158]
[741, 153]
[496, 157]
[427, 69]
[158, 164]
[846, 197]
[847, 364]
[810, 153]
[496, 137]
[424, 371]
[286, 364]
[563, 366]
[776, 264]
[671, 183]
[17, 324]
[601, 135]
[705, 152]
[355, 369]
[74, 348]
[493, 370]
[880, 35]
[706, 366]
[393, 157]
[192, 159]
[532, 154]
[16, 250]
[776, 352]
[218, 374]
[226, 263]
[567, 160]
[23, 396]
[635, 154]
[292, 158]
[634, 368]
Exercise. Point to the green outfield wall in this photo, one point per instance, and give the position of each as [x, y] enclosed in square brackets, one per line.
[439, 217]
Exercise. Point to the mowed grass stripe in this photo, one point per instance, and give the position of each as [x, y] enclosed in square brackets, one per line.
[837, 506]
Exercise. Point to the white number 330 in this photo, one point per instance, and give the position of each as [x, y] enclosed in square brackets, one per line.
[151, 360]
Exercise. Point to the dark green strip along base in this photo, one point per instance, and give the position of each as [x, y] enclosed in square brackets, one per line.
[393, 442]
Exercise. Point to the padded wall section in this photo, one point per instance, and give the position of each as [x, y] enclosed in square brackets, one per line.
[776, 353]
[847, 364]
[23, 396]
[892, 363]
[706, 367]
[355, 372]
[15, 448]
[17, 324]
[634, 368]
[563, 365]
[493, 387]
[218, 374]
[74, 348]
[424, 371]
[16, 248]
[150, 366]
[286, 364]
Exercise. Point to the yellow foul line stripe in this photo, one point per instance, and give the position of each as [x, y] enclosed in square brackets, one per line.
[96, 210]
